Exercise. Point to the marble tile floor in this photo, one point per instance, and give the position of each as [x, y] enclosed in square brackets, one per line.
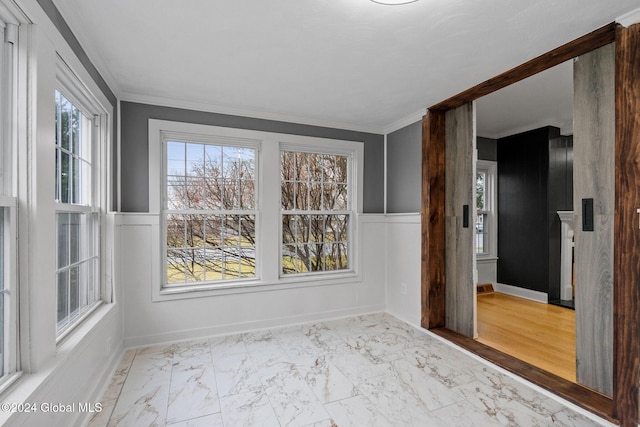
[364, 371]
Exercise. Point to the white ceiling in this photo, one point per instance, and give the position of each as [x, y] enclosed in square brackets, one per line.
[545, 99]
[354, 64]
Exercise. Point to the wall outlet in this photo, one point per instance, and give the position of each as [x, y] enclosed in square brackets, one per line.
[403, 288]
[108, 345]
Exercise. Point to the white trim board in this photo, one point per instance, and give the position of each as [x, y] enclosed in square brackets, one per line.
[628, 19]
[517, 291]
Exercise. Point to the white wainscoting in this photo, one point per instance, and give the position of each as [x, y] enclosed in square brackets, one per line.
[147, 322]
[403, 266]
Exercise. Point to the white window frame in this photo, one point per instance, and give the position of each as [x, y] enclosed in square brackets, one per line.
[491, 207]
[71, 87]
[350, 211]
[9, 90]
[168, 136]
[268, 235]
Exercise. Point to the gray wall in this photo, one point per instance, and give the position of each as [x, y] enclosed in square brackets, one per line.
[404, 169]
[135, 144]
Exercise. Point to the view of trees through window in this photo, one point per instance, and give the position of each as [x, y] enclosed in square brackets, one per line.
[315, 215]
[481, 213]
[77, 220]
[211, 213]
[210, 216]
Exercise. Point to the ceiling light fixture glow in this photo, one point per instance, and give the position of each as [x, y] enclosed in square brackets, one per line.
[393, 2]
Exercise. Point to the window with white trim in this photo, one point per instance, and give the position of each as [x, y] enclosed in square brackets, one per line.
[486, 233]
[8, 199]
[316, 211]
[239, 208]
[78, 202]
[209, 210]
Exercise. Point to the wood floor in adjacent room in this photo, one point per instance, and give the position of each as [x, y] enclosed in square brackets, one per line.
[540, 334]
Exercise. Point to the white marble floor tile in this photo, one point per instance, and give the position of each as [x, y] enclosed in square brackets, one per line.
[236, 374]
[371, 370]
[193, 391]
[439, 368]
[226, 346]
[389, 395]
[357, 367]
[569, 418]
[248, 410]
[144, 396]
[426, 389]
[292, 400]
[214, 420]
[357, 411]
[326, 381]
[462, 414]
[101, 419]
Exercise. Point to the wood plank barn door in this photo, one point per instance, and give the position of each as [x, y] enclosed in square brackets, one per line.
[460, 149]
[594, 203]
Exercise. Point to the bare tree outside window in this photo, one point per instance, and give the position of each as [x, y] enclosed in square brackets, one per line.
[210, 212]
[315, 212]
[210, 216]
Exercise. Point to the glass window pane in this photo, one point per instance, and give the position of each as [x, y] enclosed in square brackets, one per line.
[65, 123]
[77, 233]
[62, 246]
[74, 291]
[62, 284]
[76, 129]
[215, 246]
[320, 185]
[480, 190]
[195, 160]
[213, 161]
[175, 266]
[247, 167]
[176, 158]
[176, 236]
[65, 178]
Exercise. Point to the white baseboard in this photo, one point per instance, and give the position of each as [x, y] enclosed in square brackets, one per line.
[521, 292]
[134, 342]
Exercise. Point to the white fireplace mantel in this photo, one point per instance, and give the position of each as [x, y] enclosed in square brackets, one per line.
[566, 254]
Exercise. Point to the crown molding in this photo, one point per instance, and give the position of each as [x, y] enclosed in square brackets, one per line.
[256, 114]
[80, 33]
[565, 129]
[405, 121]
[630, 18]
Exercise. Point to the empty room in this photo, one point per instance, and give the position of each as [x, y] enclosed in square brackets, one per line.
[319, 213]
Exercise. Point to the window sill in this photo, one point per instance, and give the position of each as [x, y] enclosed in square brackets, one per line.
[486, 258]
[22, 386]
[186, 292]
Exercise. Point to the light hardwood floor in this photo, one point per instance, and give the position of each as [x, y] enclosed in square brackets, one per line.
[537, 333]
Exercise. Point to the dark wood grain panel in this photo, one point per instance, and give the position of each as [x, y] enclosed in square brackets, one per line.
[593, 401]
[626, 312]
[433, 219]
[584, 44]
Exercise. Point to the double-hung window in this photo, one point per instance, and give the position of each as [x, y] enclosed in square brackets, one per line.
[8, 199]
[486, 233]
[240, 208]
[209, 210]
[78, 202]
[316, 211]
